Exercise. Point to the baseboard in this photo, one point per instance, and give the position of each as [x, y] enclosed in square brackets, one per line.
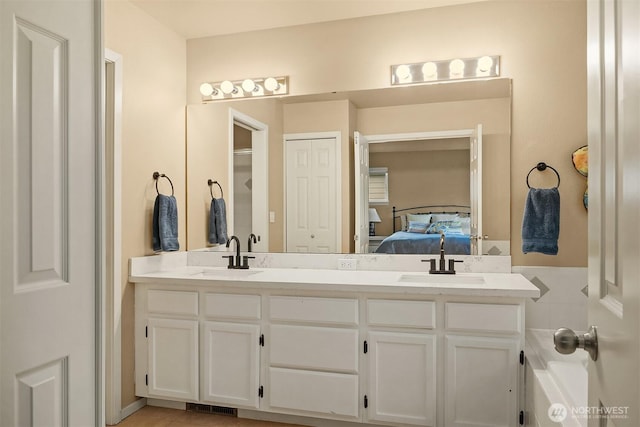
[299, 420]
[166, 404]
[133, 408]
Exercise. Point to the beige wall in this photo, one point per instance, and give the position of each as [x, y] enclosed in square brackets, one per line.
[420, 178]
[154, 81]
[542, 48]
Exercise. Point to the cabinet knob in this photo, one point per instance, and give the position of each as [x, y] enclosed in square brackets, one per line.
[313, 236]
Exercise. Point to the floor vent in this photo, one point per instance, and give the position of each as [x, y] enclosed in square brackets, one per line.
[210, 409]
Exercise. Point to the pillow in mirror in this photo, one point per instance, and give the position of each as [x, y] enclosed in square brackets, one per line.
[443, 217]
[417, 227]
[424, 218]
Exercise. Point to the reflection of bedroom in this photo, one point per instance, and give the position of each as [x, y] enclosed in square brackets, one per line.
[431, 172]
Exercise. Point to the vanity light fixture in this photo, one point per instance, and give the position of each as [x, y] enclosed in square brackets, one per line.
[247, 88]
[452, 69]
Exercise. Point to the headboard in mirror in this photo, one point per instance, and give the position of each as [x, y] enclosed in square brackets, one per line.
[417, 175]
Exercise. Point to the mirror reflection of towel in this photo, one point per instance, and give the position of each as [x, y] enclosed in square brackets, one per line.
[165, 224]
[218, 222]
[541, 221]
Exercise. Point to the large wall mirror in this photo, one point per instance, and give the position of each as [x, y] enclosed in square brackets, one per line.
[291, 168]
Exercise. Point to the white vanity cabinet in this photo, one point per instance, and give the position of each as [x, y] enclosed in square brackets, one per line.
[482, 364]
[401, 356]
[231, 343]
[340, 352]
[167, 345]
[313, 357]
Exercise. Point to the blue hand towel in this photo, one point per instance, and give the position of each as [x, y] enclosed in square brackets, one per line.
[541, 221]
[218, 222]
[165, 224]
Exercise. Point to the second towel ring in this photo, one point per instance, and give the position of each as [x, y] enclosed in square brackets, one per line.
[541, 167]
[211, 182]
[157, 175]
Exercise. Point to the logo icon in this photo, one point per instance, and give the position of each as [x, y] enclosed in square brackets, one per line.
[557, 412]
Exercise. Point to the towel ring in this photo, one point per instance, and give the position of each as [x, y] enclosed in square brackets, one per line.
[157, 175]
[542, 166]
[211, 182]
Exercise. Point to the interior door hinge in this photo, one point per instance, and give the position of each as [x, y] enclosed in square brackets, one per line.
[522, 357]
[366, 401]
[521, 418]
[366, 347]
[261, 340]
[261, 391]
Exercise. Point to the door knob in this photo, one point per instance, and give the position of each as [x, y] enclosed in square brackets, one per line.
[566, 341]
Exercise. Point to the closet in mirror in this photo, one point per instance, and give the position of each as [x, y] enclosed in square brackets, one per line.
[310, 164]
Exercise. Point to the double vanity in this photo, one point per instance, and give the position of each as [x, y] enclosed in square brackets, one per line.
[385, 344]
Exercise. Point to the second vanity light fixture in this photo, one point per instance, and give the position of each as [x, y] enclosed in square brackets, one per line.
[452, 69]
[247, 88]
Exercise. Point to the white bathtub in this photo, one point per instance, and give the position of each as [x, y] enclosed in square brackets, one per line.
[553, 378]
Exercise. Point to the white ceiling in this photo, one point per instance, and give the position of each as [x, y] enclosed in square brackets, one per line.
[205, 18]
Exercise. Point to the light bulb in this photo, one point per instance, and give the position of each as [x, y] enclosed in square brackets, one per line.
[430, 71]
[249, 85]
[403, 72]
[271, 84]
[456, 67]
[206, 89]
[227, 87]
[484, 64]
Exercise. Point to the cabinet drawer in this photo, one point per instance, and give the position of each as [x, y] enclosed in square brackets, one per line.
[314, 310]
[412, 314]
[230, 306]
[172, 302]
[484, 317]
[307, 347]
[330, 394]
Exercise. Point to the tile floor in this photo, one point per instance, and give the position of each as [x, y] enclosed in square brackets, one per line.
[151, 416]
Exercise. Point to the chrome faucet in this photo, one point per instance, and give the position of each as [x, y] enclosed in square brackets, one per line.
[442, 264]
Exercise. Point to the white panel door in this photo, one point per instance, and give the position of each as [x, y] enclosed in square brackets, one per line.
[361, 162]
[50, 69]
[481, 381]
[613, 60]
[231, 364]
[173, 359]
[312, 192]
[475, 170]
[402, 378]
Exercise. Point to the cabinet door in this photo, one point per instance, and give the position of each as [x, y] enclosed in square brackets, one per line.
[481, 380]
[173, 358]
[231, 364]
[402, 381]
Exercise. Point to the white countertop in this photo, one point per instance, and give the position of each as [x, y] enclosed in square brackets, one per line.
[461, 284]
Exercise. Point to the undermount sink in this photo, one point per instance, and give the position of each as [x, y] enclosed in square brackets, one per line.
[227, 273]
[452, 279]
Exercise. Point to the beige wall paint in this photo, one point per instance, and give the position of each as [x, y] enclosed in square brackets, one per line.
[154, 82]
[542, 45]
